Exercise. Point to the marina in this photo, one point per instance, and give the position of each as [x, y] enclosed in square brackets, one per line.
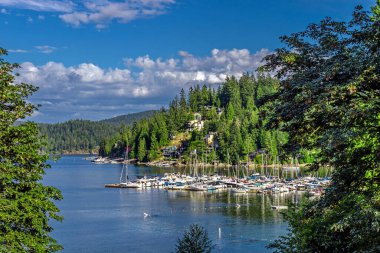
[99, 219]
[190, 126]
[253, 184]
[270, 182]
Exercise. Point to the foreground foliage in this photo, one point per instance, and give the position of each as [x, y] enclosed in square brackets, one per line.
[26, 205]
[329, 100]
[195, 240]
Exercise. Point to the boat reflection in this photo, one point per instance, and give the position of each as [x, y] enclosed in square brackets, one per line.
[253, 206]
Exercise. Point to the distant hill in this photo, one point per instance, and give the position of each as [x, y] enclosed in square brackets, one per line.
[129, 119]
[84, 136]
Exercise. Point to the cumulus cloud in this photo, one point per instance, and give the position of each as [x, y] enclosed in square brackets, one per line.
[212, 69]
[144, 83]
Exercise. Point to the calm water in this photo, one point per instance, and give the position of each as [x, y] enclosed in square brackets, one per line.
[98, 219]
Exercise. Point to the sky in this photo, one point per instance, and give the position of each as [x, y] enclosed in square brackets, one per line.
[103, 58]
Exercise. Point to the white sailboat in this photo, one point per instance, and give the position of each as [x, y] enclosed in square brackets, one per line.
[124, 179]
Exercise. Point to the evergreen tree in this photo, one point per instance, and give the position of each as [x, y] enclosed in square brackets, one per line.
[230, 115]
[182, 100]
[192, 100]
[329, 101]
[182, 115]
[195, 240]
[26, 204]
[204, 96]
[246, 89]
[141, 150]
[153, 147]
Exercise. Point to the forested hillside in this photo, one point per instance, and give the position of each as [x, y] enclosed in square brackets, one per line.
[84, 136]
[129, 118]
[223, 125]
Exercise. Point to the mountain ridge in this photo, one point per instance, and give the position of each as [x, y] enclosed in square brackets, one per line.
[84, 136]
[128, 119]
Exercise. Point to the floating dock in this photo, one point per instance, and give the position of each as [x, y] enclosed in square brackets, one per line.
[114, 186]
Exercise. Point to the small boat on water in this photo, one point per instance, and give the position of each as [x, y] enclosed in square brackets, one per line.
[131, 184]
[239, 190]
[90, 158]
[198, 187]
[100, 160]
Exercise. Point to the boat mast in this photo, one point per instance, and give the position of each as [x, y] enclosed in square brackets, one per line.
[124, 171]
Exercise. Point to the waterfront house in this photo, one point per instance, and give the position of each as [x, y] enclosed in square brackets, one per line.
[195, 125]
[209, 139]
[170, 151]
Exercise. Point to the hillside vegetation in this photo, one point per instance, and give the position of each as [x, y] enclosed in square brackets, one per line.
[84, 136]
[217, 125]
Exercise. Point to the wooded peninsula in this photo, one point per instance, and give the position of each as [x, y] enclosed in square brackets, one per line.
[222, 125]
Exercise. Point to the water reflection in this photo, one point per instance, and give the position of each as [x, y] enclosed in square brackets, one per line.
[249, 206]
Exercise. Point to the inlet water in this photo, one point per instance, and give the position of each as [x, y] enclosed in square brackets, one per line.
[99, 219]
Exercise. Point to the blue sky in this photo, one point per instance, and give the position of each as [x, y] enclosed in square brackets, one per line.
[103, 58]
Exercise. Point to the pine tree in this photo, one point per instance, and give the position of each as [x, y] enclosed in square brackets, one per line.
[153, 147]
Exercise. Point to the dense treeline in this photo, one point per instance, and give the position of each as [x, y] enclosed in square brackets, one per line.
[76, 135]
[231, 114]
[84, 135]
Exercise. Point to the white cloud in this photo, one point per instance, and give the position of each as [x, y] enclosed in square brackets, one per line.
[17, 51]
[98, 12]
[184, 54]
[89, 72]
[140, 91]
[45, 49]
[101, 13]
[40, 5]
[144, 81]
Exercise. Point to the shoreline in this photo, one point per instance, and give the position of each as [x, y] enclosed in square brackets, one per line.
[179, 165]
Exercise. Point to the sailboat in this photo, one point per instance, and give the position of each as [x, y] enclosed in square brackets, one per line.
[124, 179]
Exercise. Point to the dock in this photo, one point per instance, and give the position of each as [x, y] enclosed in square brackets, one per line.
[114, 186]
